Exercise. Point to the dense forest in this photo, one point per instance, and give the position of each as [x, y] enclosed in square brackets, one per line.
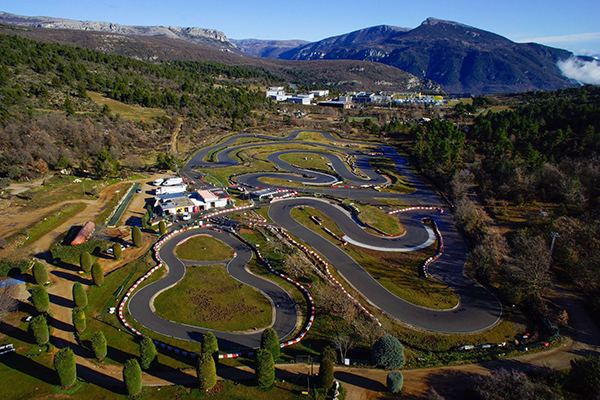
[46, 115]
[539, 161]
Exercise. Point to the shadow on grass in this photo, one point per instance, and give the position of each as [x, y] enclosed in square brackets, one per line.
[61, 301]
[16, 333]
[360, 381]
[56, 324]
[29, 367]
[107, 382]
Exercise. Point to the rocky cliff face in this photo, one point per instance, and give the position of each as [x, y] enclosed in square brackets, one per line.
[205, 37]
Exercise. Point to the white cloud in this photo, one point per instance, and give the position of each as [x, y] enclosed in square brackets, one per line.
[580, 37]
[582, 71]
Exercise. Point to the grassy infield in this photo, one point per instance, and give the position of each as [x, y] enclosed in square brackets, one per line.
[430, 349]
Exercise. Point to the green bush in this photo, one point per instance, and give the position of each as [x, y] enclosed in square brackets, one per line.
[97, 274]
[162, 227]
[65, 367]
[79, 322]
[210, 346]
[206, 372]
[99, 345]
[40, 299]
[40, 273]
[72, 254]
[136, 236]
[132, 376]
[7, 266]
[387, 352]
[265, 369]
[79, 295]
[148, 353]
[85, 261]
[39, 328]
[328, 357]
[395, 379]
[584, 376]
[117, 251]
[270, 342]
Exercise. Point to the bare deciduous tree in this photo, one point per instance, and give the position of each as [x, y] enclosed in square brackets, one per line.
[343, 342]
[297, 266]
[8, 302]
[530, 265]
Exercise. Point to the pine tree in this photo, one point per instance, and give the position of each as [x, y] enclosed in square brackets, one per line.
[40, 273]
[39, 328]
[210, 346]
[117, 251]
[388, 352]
[79, 321]
[99, 345]
[206, 372]
[132, 376]
[65, 367]
[79, 295]
[148, 353]
[270, 342]
[40, 299]
[328, 357]
[85, 261]
[97, 274]
[136, 236]
[265, 369]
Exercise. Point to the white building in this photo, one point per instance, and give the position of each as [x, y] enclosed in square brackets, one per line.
[320, 93]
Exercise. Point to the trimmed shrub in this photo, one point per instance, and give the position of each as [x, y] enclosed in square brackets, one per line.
[210, 346]
[99, 345]
[79, 322]
[136, 236]
[206, 371]
[162, 227]
[39, 328]
[40, 273]
[97, 274]
[117, 251]
[270, 342]
[132, 376]
[40, 299]
[387, 352]
[148, 353]
[265, 369]
[13, 267]
[395, 379]
[65, 367]
[85, 261]
[328, 357]
[79, 295]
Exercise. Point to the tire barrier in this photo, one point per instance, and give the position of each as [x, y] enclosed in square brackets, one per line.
[331, 277]
[342, 240]
[438, 234]
[177, 350]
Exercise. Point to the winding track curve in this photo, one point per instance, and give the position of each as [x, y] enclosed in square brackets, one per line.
[285, 315]
[478, 309]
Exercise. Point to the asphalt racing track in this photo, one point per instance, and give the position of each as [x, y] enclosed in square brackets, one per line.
[478, 309]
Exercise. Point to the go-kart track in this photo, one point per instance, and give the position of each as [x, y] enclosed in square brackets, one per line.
[478, 309]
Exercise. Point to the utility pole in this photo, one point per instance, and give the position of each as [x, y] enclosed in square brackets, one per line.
[554, 236]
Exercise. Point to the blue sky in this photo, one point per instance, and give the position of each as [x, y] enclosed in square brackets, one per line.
[572, 25]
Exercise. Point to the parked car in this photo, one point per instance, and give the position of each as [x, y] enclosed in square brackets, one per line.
[186, 217]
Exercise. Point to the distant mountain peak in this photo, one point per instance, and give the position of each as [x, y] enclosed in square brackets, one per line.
[434, 21]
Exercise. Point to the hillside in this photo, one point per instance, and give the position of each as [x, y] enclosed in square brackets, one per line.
[267, 48]
[205, 37]
[342, 75]
[458, 57]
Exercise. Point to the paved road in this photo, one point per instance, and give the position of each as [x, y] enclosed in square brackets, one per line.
[478, 308]
[140, 304]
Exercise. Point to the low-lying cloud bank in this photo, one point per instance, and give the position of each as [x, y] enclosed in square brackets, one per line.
[580, 70]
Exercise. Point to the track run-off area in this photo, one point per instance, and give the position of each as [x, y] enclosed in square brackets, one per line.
[478, 309]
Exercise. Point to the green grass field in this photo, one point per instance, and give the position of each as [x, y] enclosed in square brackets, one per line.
[380, 219]
[126, 111]
[214, 300]
[204, 248]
